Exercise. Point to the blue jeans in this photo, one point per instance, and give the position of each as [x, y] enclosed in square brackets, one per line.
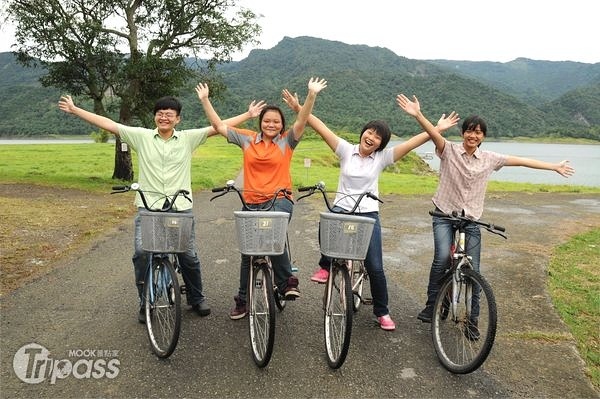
[188, 262]
[282, 267]
[374, 266]
[443, 238]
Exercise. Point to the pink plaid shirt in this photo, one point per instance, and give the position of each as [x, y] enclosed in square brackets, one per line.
[463, 179]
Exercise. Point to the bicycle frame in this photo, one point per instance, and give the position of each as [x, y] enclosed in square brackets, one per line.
[463, 336]
[262, 294]
[343, 290]
[161, 292]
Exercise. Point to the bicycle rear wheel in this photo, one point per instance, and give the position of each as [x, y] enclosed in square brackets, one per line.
[358, 281]
[463, 337]
[162, 301]
[261, 312]
[338, 314]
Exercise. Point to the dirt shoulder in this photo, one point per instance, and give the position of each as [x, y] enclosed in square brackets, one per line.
[42, 225]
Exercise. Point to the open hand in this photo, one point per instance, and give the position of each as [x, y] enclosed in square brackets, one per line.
[316, 84]
[291, 100]
[564, 169]
[446, 123]
[410, 107]
[202, 91]
[255, 108]
[66, 104]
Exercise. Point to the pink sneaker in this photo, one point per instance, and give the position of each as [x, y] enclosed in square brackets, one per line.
[320, 276]
[386, 323]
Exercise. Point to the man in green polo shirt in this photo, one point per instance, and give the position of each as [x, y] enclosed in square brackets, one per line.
[165, 158]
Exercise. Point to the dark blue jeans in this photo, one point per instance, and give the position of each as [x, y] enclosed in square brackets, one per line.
[374, 266]
[282, 267]
[443, 236]
[188, 261]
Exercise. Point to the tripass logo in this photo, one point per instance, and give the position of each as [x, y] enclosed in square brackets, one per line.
[32, 364]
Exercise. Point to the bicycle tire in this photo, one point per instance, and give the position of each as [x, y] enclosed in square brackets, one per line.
[162, 301]
[358, 282]
[261, 312]
[279, 297]
[458, 348]
[338, 314]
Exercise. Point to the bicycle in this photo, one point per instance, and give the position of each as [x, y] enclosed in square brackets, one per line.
[344, 237]
[164, 234]
[463, 327]
[261, 234]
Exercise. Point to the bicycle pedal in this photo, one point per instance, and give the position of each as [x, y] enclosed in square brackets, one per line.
[182, 289]
[367, 301]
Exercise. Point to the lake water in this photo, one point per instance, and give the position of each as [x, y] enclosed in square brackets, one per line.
[585, 158]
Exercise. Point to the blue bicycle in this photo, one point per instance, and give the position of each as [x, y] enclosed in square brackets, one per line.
[165, 233]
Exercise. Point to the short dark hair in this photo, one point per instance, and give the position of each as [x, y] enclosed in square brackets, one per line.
[382, 129]
[168, 102]
[471, 123]
[271, 108]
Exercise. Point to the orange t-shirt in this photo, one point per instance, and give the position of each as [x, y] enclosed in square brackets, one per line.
[266, 165]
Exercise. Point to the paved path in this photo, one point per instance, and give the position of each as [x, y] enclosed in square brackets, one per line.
[87, 309]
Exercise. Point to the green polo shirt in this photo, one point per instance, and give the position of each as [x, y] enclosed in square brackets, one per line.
[164, 165]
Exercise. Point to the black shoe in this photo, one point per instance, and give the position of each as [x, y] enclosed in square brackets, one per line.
[201, 308]
[426, 314]
[142, 315]
[472, 331]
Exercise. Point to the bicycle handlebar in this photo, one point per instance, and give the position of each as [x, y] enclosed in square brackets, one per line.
[230, 186]
[167, 206]
[320, 186]
[492, 228]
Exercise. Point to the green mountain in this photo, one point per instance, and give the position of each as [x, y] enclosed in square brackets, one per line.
[363, 82]
[531, 81]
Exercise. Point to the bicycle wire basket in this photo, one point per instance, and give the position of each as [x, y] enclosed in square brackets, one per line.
[261, 232]
[344, 236]
[166, 232]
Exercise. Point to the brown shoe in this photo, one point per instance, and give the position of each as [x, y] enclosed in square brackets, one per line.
[239, 311]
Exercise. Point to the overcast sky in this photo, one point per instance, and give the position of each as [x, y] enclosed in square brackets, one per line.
[473, 30]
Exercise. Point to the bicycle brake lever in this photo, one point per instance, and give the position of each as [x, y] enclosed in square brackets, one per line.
[219, 195]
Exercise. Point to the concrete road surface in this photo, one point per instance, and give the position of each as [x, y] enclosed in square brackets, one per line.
[74, 333]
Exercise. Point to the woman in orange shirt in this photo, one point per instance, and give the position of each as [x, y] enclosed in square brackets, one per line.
[267, 160]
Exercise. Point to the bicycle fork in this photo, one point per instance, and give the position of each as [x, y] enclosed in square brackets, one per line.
[458, 280]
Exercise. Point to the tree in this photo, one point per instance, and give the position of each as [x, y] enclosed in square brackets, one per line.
[124, 54]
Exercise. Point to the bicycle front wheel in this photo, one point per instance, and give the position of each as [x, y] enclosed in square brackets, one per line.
[162, 301]
[261, 312]
[464, 328]
[338, 314]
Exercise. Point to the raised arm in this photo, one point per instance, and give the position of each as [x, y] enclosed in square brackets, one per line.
[213, 118]
[562, 168]
[253, 111]
[443, 124]
[330, 137]
[315, 85]
[414, 108]
[66, 104]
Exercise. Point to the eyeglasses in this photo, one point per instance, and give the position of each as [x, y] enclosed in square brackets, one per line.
[168, 115]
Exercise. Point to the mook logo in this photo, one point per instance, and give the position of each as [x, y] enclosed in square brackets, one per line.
[32, 364]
